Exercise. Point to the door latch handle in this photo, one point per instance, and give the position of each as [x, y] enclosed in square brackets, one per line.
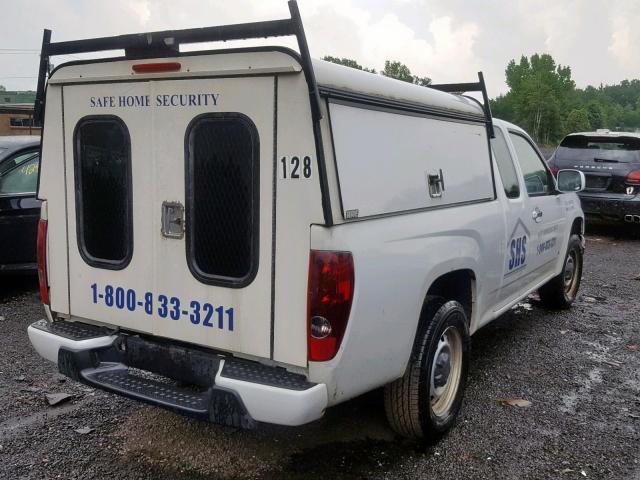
[172, 220]
[537, 215]
[435, 182]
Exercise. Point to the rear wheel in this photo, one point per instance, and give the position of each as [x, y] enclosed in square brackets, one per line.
[424, 403]
[562, 290]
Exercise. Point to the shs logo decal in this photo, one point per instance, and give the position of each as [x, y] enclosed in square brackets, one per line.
[517, 246]
[518, 253]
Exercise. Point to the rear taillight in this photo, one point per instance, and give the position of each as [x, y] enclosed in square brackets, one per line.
[633, 178]
[331, 282]
[554, 170]
[41, 250]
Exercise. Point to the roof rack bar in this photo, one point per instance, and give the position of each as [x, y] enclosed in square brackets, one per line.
[306, 59]
[487, 106]
[43, 70]
[166, 38]
[478, 86]
[166, 43]
[457, 87]
[136, 45]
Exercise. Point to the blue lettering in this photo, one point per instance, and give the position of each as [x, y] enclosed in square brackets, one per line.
[167, 100]
[513, 255]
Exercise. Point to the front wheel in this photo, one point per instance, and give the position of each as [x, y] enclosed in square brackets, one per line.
[562, 290]
[424, 403]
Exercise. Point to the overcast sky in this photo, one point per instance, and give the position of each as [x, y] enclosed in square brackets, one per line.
[447, 40]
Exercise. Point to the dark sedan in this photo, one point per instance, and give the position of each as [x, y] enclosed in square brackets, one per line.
[611, 164]
[19, 208]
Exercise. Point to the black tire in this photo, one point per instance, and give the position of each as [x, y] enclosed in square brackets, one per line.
[560, 292]
[408, 400]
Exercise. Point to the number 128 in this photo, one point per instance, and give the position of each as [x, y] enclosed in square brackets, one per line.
[293, 168]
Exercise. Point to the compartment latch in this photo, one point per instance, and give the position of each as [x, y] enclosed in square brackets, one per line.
[435, 183]
[172, 219]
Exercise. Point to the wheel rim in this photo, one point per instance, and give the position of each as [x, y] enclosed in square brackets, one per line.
[446, 370]
[570, 274]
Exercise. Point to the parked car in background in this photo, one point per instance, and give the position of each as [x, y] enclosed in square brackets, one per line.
[19, 208]
[611, 164]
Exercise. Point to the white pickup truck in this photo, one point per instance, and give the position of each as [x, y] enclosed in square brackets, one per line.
[249, 235]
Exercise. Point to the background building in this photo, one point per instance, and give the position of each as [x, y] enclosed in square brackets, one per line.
[16, 113]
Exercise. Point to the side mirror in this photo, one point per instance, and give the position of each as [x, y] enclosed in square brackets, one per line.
[571, 181]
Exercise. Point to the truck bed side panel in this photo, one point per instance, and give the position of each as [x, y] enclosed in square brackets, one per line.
[396, 260]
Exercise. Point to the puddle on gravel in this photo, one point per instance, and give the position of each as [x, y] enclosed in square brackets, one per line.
[571, 400]
[353, 438]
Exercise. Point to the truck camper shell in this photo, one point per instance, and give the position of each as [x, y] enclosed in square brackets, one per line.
[325, 80]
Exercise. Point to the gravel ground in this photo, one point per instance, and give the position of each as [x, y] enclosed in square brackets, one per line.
[579, 369]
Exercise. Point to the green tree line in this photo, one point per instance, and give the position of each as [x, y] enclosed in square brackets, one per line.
[543, 98]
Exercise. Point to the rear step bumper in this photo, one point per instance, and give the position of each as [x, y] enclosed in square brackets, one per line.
[222, 390]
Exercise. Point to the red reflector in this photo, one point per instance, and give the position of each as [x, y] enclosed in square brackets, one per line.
[554, 170]
[331, 283]
[156, 67]
[41, 251]
[634, 178]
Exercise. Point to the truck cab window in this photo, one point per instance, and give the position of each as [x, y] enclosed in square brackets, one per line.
[505, 165]
[536, 176]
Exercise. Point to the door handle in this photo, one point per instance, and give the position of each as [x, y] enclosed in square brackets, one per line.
[537, 215]
[172, 219]
[435, 182]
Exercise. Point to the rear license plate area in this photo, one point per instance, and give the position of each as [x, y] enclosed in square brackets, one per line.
[597, 182]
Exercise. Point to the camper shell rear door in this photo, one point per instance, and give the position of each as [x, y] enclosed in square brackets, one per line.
[170, 197]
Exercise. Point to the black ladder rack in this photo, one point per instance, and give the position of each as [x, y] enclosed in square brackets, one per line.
[167, 42]
[478, 86]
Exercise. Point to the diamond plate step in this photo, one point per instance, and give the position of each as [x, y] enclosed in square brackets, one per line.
[72, 330]
[120, 379]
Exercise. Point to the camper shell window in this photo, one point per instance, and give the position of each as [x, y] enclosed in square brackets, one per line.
[222, 195]
[102, 153]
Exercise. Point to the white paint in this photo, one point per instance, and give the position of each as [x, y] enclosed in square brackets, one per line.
[278, 405]
[47, 344]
